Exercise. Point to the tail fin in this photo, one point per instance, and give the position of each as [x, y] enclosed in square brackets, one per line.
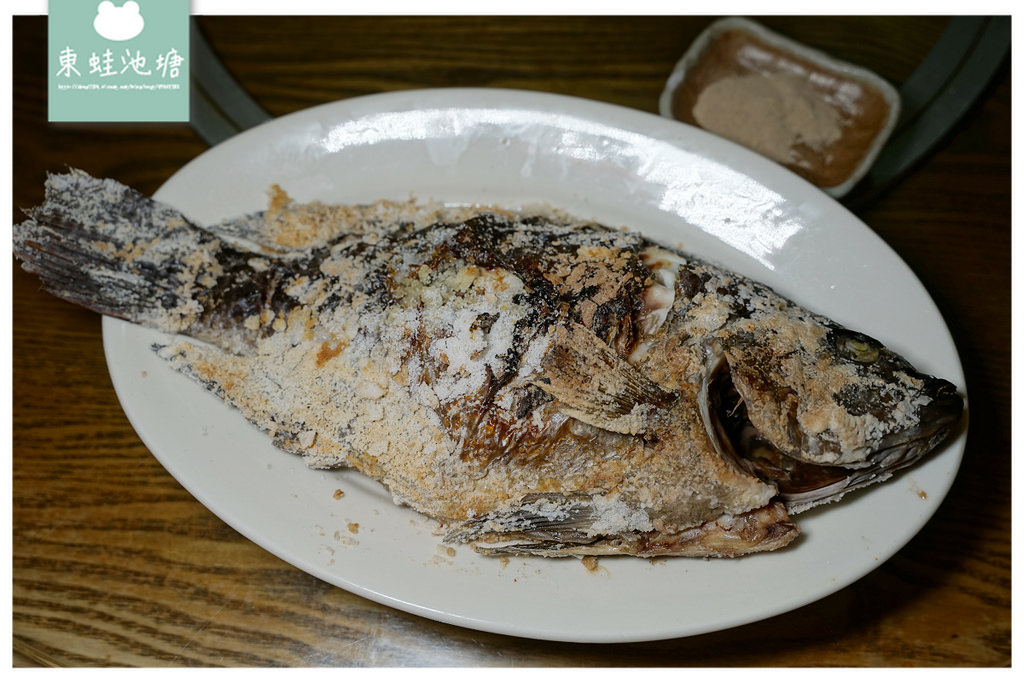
[109, 248]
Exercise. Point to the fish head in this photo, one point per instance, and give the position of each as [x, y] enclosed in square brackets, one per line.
[819, 409]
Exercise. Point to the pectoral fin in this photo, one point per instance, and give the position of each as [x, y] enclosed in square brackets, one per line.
[595, 385]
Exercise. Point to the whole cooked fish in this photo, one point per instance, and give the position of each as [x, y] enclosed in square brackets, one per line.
[536, 384]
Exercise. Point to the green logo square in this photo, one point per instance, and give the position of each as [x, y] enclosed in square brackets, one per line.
[121, 60]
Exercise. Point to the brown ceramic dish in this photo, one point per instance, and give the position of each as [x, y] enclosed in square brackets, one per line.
[864, 105]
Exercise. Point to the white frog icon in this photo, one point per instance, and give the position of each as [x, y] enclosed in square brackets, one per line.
[118, 23]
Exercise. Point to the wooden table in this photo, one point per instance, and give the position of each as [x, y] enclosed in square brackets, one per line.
[114, 563]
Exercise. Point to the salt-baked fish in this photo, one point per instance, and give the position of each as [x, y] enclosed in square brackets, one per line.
[535, 384]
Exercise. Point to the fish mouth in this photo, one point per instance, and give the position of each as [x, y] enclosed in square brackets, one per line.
[801, 484]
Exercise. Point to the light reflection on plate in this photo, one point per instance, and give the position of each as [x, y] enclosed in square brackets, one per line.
[622, 167]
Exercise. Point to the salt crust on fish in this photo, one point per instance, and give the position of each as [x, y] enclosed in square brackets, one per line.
[536, 383]
[358, 401]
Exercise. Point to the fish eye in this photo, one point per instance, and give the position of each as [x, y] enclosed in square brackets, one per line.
[855, 346]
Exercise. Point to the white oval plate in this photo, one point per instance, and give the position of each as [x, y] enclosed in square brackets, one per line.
[622, 167]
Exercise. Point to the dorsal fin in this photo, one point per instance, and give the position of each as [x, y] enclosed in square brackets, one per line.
[595, 385]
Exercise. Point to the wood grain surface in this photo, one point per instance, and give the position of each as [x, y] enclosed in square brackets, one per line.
[115, 564]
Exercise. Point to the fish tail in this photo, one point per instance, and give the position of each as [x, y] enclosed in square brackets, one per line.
[111, 249]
